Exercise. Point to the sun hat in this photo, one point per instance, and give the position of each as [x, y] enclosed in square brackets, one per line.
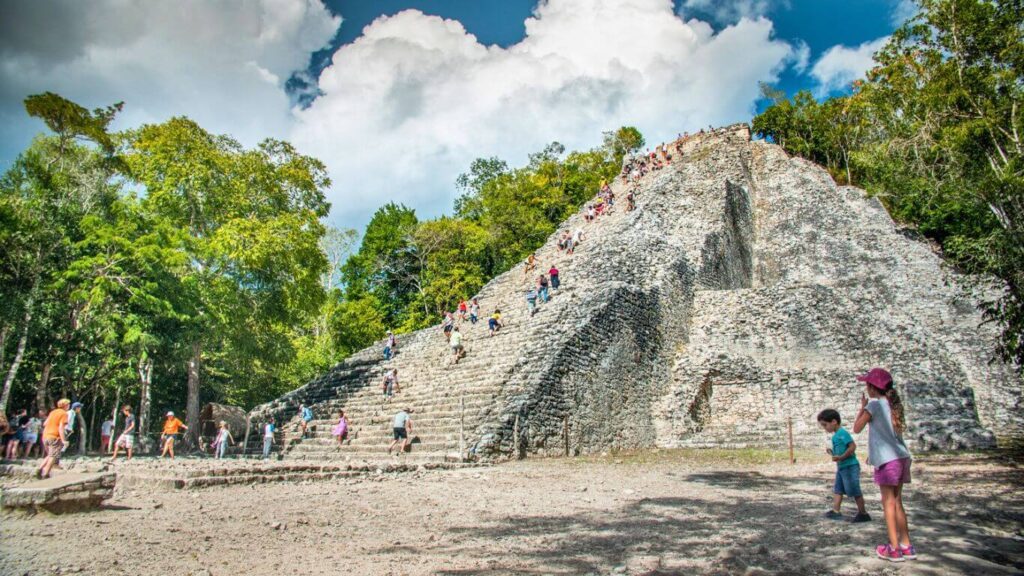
[170, 413]
[877, 377]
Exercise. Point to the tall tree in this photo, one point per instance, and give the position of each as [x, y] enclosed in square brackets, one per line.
[253, 265]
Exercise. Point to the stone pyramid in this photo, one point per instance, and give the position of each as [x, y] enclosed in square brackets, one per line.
[740, 298]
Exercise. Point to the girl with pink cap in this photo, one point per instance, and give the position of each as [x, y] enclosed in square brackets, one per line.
[882, 411]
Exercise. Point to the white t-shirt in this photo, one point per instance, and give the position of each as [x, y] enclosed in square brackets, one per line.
[106, 428]
[268, 431]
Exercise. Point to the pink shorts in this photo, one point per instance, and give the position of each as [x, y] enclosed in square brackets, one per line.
[893, 473]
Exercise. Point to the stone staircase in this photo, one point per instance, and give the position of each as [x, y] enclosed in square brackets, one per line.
[456, 405]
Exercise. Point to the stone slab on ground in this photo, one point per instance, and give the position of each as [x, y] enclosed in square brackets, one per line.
[70, 492]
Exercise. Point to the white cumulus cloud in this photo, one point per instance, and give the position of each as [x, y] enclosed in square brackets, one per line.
[729, 11]
[839, 66]
[407, 106]
[410, 103]
[221, 63]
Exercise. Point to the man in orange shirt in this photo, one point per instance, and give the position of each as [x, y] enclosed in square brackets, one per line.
[54, 438]
[172, 427]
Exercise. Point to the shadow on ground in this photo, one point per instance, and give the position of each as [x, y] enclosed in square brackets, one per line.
[751, 523]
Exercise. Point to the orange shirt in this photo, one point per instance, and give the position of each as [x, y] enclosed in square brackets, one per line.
[172, 426]
[57, 419]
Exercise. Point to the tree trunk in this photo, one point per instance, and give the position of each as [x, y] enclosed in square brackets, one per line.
[116, 411]
[22, 340]
[3, 345]
[83, 434]
[145, 369]
[93, 409]
[42, 402]
[192, 403]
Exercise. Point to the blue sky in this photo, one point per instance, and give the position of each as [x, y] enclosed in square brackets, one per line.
[397, 97]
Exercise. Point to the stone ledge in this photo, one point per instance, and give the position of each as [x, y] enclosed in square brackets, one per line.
[60, 494]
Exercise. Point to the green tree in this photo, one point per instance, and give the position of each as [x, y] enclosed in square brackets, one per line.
[385, 265]
[253, 264]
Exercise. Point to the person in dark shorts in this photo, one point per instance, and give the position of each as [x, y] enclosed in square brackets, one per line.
[402, 427]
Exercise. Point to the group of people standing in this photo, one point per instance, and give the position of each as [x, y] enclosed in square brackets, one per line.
[24, 436]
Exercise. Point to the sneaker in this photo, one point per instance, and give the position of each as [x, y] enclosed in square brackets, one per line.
[861, 517]
[908, 552]
[833, 515]
[887, 552]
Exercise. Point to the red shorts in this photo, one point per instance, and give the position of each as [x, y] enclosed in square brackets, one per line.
[893, 473]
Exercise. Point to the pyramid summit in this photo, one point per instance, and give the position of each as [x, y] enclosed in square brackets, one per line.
[742, 295]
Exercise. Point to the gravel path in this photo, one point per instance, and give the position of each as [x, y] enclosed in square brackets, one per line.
[675, 512]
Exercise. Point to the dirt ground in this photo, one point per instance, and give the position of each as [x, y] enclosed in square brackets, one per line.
[668, 512]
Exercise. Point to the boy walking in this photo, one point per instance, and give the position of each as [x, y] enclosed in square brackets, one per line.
[847, 468]
[127, 438]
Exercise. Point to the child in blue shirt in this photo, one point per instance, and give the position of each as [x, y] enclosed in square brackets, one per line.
[847, 468]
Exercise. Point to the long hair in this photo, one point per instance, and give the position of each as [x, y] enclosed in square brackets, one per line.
[899, 421]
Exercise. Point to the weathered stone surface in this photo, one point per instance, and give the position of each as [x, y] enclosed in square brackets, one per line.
[70, 492]
[745, 291]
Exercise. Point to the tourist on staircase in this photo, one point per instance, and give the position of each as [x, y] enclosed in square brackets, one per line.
[577, 237]
[458, 351]
[172, 428]
[564, 240]
[390, 384]
[402, 428]
[390, 344]
[268, 437]
[494, 322]
[463, 308]
[542, 288]
[474, 312]
[531, 265]
[307, 417]
[447, 324]
[340, 431]
[531, 300]
[553, 273]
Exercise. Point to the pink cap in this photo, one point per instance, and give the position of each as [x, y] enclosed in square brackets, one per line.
[877, 377]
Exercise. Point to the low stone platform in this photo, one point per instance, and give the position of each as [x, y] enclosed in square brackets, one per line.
[207, 474]
[70, 492]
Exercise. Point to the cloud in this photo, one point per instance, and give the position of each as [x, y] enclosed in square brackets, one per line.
[407, 106]
[801, 56]
[839, 66]
[221, 63]
[902, 11]
[729, 11]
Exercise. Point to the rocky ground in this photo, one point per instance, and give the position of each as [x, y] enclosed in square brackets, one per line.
[669, 512]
